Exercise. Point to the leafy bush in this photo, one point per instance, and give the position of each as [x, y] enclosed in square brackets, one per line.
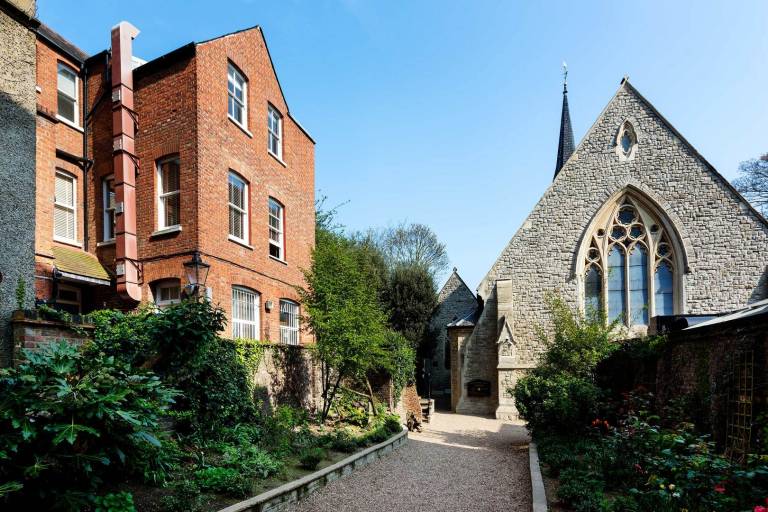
[223, 481]
[309, 458]
[583, 489]
[181, 344]
[343, 442]
[116, 502]
[560, 394]
[69, 422]
[558, 402]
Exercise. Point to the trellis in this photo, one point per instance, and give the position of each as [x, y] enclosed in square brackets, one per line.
[740, 400]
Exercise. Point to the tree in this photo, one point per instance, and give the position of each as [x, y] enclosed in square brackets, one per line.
[412, 244]
[410, 298]
[753, 182]
[344, 313]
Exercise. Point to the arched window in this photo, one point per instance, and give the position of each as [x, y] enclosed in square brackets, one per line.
[629, 266]
[626, 141]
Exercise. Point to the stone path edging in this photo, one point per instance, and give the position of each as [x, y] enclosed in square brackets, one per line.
[278, 498]
[538, 495]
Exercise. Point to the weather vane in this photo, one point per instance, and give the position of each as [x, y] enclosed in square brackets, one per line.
[565, 76]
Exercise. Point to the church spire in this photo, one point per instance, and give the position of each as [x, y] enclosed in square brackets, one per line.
[565, 145]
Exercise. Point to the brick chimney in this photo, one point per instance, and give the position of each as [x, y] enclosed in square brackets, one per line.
[124, 161]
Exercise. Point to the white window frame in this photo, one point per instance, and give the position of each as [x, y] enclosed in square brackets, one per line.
[289, 334]
[237, 79]
[109, 211]
[241, 325]
[275, 131]
[280, 244]
[76, 121]
[166, 284]
[70, 208]
[161, 196]
[78, 302]
[234, 177]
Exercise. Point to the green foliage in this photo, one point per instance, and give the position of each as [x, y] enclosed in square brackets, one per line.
[115, 502]
[343, 312]
[181, 344]
[69, 422]
[558, 402]
[560, 394]
[399, 361]
[21, 293]
[223, 481]
[410, 298]
[56, 315]
[634, 464]
[309, 458]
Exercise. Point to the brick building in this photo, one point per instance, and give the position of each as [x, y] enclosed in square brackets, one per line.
[145, 166]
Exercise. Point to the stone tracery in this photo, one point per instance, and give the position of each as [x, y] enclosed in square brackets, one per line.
[629, 266]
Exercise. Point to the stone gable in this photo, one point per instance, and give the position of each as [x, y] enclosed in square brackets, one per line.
[454, 301]
[724, 240]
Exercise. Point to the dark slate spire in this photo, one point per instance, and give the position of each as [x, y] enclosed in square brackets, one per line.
[565, 145]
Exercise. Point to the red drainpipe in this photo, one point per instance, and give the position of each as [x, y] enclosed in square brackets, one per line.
[124, 161]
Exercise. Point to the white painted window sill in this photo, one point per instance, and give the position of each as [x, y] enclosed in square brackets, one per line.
[278, 260]
[240, 242]
[277, 158]
[237, 123]
[67, 241]
[106, 243]
[166, 231]
[69, 123]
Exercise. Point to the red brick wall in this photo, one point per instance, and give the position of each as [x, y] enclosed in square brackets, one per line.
[182, 110]
[51, 135]
[33, 335]
[223, 146]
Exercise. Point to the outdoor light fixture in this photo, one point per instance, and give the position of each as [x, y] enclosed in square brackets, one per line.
[268, 305]
[197, 273]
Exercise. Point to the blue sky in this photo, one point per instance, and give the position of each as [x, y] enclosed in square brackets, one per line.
[447, 113]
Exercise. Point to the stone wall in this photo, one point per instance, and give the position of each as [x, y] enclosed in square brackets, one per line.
[722, 237]
[455, 301]
[17, 164]
[289, 375]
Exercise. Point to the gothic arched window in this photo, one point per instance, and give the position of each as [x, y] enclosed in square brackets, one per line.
[626, 141]
[629, 266]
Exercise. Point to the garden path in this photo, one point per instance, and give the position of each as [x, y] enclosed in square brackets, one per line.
[458, 463]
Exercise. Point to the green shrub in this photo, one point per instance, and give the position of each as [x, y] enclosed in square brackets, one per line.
[186, 497]
[309, 458]
[557, 402]
[70, 422]
[393, 424]
[582, 489]
[343, 442]
[116, 502]
[223, 481]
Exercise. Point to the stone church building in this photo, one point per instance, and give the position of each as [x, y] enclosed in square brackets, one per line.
[636, 223]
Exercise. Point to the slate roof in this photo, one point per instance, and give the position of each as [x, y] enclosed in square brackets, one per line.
[468, 321]
[61, 43]
[565, 145]
[79, 264]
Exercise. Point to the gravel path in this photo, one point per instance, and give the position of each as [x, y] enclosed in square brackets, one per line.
[458, 463]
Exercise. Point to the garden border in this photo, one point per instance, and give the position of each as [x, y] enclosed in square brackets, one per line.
[291, 492]
[538, 494]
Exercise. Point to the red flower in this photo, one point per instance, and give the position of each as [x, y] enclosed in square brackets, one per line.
[760, 508]
[720, 488]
